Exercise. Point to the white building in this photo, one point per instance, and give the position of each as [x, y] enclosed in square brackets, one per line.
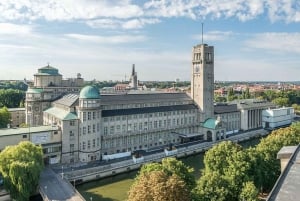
[274, 118]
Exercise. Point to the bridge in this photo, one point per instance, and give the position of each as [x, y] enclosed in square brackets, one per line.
[53, 187]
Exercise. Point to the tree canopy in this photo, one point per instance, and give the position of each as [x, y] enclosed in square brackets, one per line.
[11, 97]
[20, 166]
[4, 117]
[171, 174]
[158, 186]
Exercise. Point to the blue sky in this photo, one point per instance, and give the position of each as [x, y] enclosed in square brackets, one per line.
[101, 39]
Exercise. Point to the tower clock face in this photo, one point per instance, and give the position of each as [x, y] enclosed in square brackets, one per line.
[197, 68]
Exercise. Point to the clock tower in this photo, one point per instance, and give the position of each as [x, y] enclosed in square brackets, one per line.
[202, 80]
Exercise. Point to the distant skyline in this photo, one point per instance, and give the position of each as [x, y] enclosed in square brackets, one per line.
[101, 39]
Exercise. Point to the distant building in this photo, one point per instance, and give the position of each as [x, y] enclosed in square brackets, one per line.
[230, 115]
[48, 86]
[47, 136]
[251, 112]
[274, 118]
[17, 116]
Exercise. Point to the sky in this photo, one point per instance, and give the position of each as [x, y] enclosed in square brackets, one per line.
[254, 40]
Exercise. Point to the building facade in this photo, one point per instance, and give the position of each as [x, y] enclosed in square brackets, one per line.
[17, 116]
[49, 137]
[274, 118]
[251, 112]
[202, 80]
[48, 86]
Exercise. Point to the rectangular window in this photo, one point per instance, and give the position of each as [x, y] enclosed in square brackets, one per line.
[89, 129]
[112, 130]
[94, 115]
[71, 134]
[98, 142]
[94, 143]
[98, 127]
[84, 130]
[89, 115]
[84, 116]
[24, 136]
[72, 123]
[94, 128]
[105, 130]
[83, 145]
[89, 144]
[72, 146]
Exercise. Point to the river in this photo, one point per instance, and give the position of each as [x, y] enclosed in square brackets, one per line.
[115, 188]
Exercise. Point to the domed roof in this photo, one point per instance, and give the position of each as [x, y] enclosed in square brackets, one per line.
[211, 123]
[89, 92]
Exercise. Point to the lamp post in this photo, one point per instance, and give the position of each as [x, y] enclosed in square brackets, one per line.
[62, 172]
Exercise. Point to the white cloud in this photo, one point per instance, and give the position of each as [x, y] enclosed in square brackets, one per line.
[124, 24]
[276, 42]
[215, 36]
[13, 29]
[108, 39]
[131, 15]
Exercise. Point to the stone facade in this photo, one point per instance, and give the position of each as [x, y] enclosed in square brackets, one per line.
[17, 116]
[202, 79]
[48, 86]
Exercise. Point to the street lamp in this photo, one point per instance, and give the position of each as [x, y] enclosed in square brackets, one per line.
[62, 172]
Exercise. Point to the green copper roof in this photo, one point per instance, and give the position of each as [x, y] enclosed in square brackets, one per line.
[89, 92]
[34, 90]
[211, 123]
[61, 114]
[48, 70]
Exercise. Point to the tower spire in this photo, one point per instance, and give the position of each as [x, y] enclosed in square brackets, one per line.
[133, 69]
[202, 34]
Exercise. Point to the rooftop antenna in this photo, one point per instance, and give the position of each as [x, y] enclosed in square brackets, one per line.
[202, 33]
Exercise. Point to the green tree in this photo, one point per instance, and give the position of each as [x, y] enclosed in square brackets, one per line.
[212, 186]
[281, 101]
[20, 166]
[4, 117]
[158, 186]
[249, 192]
[231, 95]
[267, 151]
[229, 160]
[11, 97]
[220, 99]
[270, 95]
[172, 166]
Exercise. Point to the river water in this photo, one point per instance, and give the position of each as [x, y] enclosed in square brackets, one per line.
[115, 188]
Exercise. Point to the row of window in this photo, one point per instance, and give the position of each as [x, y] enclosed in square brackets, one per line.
[87, 145]
[90, 129]
[84, 116]
[150, 115]
[142, 105]
[166, 123]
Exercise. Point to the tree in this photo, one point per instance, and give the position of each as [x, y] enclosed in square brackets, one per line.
[267, 149]
[249, 192]
[4, 117]
[172, 166]
[11, 97]
[158, 186]
[281, 101]
[231, 96]
[212, 186]
[21, 166]
[228, 160]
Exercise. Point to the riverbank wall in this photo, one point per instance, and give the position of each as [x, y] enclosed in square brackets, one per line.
[78, 176]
